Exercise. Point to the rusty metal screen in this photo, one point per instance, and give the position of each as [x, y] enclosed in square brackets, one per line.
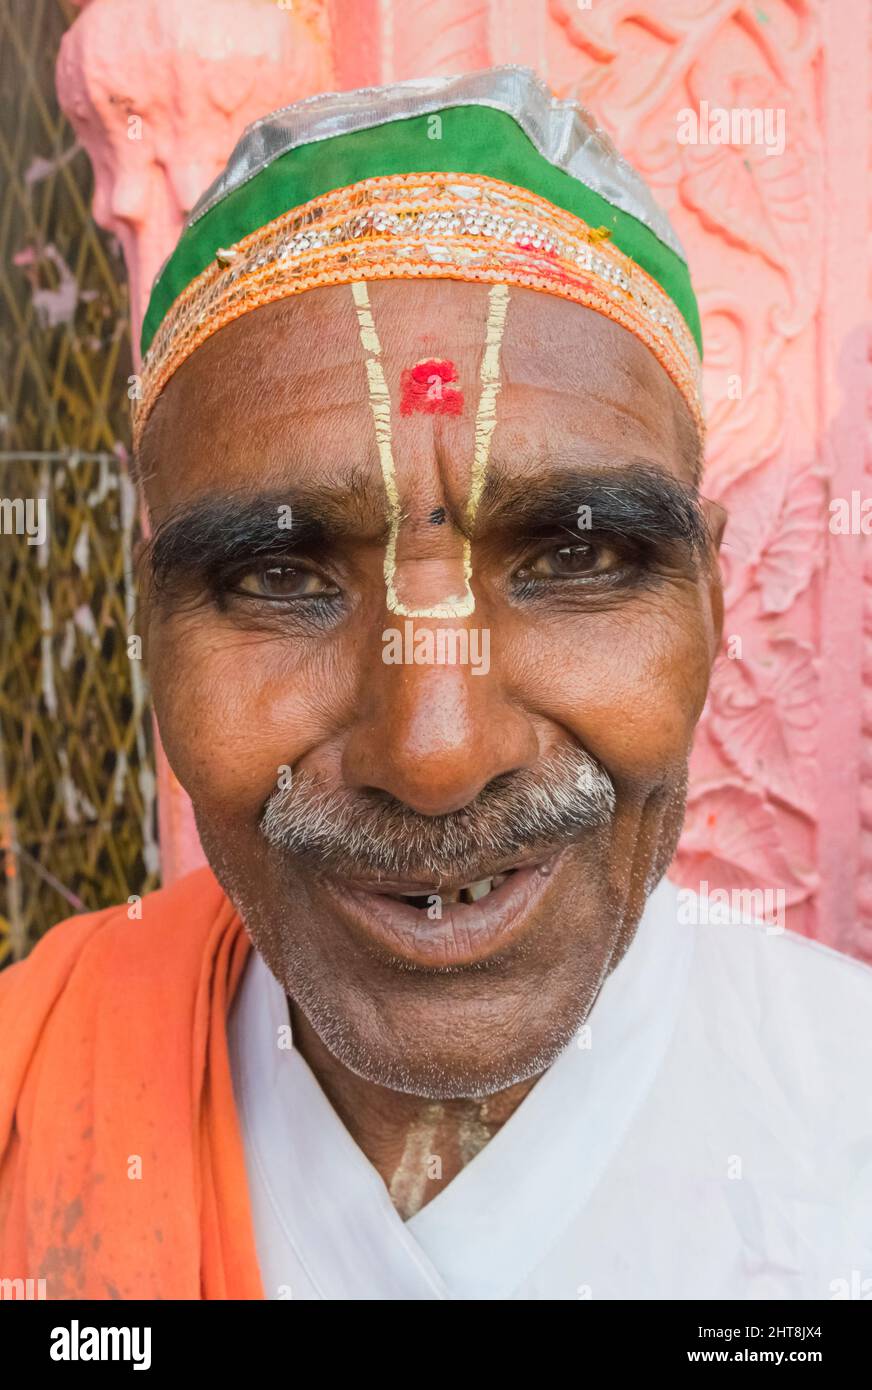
[77, 791]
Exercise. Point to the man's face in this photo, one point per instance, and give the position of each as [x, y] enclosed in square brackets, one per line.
[351, 777]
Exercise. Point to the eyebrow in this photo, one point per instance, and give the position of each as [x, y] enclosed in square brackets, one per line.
[637, 502]
[209, 537]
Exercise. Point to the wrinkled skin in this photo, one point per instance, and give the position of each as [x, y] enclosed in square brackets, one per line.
[616, 663]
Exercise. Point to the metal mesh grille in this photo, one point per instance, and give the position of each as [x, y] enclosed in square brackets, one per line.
[77, 814]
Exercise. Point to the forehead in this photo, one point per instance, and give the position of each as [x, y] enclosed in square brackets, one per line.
[284, 389]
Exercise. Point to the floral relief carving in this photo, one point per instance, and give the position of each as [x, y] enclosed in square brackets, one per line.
[751, 218]
[763, 715]
[774, 540]
[731, 840]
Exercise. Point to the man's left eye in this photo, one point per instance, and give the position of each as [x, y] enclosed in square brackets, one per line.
[581, 559]
[284, 581]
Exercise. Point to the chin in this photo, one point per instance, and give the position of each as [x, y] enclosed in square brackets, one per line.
[411, 1063]
[449, 1036]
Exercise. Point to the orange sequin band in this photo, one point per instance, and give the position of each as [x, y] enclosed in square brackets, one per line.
[422, 226]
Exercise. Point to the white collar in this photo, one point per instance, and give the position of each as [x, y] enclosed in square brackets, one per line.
[317, 1197]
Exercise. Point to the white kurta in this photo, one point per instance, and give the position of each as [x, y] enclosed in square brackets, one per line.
[711, 1137]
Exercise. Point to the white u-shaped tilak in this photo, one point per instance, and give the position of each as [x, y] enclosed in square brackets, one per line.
[461, 605]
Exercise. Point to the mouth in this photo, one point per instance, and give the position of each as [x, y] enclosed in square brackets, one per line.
[443, 926]
[469, 893]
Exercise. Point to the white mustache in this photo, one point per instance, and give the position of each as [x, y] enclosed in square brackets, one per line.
[358, 833]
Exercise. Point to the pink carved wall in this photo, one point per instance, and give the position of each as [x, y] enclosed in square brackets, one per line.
[782, 771]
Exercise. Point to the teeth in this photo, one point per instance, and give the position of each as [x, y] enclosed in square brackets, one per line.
[470, 893]
[473, 891]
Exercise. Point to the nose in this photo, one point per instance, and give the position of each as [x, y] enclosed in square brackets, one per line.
[433, 735]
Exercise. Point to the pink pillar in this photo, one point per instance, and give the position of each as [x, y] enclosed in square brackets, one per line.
[158, 93]
[777, 236]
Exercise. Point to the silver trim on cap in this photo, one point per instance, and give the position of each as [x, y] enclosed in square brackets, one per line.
[564, 133]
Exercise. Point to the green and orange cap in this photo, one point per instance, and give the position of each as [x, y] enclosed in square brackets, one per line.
[485, 177]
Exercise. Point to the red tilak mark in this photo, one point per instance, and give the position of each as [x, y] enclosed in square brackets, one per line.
[429, 386]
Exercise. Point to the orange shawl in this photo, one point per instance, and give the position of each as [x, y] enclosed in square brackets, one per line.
[122, 1171]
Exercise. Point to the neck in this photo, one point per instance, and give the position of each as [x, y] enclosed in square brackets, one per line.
[417, 1145]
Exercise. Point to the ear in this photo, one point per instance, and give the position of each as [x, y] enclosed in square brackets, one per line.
[716, 520]
[143, 593]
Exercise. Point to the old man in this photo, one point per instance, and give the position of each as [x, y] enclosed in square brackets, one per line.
[430, 603]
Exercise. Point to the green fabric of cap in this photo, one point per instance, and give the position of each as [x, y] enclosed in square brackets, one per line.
[475, 139]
